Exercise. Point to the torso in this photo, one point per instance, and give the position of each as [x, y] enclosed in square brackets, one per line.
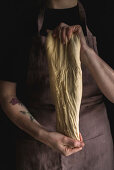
[94, 126]
[38, 94]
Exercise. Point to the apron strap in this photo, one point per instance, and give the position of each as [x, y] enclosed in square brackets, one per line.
[40, 20]
[82, 12]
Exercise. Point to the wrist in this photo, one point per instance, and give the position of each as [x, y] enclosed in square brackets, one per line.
[43, 135]
[84, 51]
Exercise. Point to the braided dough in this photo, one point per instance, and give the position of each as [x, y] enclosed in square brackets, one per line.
[65, 76]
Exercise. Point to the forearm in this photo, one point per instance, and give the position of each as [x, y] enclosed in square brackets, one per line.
[101, 72]
[21, 117]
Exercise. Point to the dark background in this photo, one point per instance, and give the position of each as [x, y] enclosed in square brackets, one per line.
[17, 28]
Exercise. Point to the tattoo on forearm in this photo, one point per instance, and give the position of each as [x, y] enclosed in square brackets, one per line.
[26, 112]
[15, 101]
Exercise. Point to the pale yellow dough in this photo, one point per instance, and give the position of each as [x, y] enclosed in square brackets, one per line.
[65, 76]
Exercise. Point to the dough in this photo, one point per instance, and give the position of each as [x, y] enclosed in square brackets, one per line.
[65, 77]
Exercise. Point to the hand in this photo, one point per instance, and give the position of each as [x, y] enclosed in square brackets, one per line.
[65, 145]
[64, 32]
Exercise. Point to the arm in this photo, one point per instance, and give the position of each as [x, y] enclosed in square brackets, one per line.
[20, 116]
[18, 113]
[101, 72]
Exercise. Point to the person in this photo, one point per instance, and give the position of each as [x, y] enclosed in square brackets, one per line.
[26, 100]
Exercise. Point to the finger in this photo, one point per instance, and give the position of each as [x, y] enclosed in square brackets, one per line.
[78, 30]
[68, 151]
[81, 144]
[56, 31]
[75, 29]
[72, 143]
[63, 35]
[74, 150]
[59, 32]
[81, 139]
[69, 32]
[62, 24]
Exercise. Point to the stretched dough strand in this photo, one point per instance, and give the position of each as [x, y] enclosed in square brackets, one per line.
[65, 77]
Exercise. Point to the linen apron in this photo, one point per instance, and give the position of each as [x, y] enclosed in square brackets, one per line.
[94, 125]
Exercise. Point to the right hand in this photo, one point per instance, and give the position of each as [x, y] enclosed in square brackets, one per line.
[65, 145]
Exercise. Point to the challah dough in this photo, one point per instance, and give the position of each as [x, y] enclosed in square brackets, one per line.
[65, 76]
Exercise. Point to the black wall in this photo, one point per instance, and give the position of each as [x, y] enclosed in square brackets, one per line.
[17, 25]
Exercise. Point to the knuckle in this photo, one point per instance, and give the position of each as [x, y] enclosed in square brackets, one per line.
[78, 26]
[74, 27]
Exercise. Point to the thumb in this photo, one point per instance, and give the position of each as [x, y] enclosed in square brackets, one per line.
[73, 143]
